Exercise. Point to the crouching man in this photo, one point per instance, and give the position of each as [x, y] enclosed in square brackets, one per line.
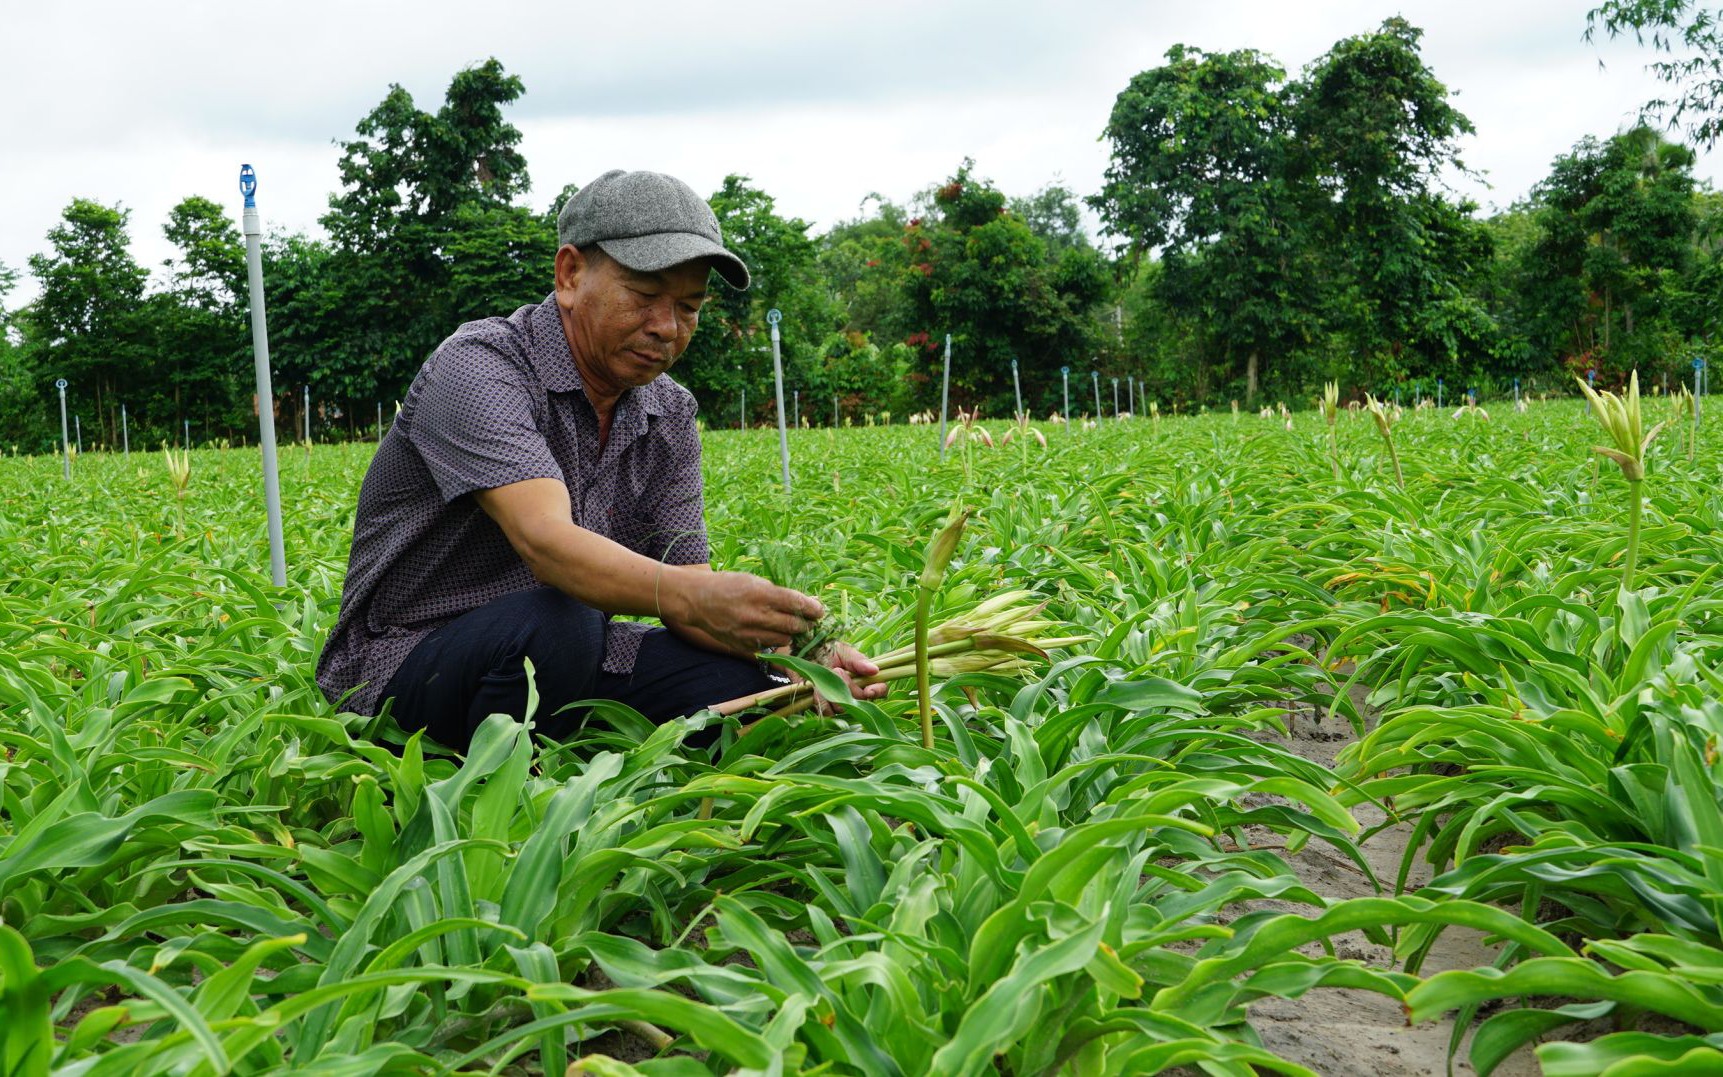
[543, 475]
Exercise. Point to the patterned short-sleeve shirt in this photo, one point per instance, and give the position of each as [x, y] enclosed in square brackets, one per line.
[500, 402]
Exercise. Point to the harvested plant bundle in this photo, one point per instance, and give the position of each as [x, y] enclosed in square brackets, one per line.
[1000, 635]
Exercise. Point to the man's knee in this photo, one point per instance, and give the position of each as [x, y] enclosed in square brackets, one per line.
[562, 637]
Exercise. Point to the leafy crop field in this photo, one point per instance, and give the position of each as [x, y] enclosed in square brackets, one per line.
[205, 869]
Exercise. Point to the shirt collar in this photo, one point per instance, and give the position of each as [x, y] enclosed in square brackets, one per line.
[554, 364]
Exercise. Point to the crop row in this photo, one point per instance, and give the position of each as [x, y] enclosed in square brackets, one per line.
[206, 869]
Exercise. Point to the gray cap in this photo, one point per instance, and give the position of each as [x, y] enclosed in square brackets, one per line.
[647, 221]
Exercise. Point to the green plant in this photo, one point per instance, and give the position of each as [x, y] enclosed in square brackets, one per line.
[1620, 419]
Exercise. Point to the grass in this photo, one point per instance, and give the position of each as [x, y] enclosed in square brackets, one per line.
[205, 868]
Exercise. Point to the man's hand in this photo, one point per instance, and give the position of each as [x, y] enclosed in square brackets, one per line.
[742, 613]
[851, 665]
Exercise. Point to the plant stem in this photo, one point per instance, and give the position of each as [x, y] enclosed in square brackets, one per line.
[1633, 512]
[923, 664]
[1399, 479]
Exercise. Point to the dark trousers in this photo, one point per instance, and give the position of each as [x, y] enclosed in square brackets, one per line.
[474, 667]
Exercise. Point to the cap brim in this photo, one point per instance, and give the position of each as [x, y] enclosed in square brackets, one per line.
[649, 254]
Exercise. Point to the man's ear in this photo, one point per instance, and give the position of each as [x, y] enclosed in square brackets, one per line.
[570, 264]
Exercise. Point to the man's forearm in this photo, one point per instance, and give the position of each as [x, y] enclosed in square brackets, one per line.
[735, 610]
[607, 575]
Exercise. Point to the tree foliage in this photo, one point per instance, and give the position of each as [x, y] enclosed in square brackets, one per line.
[1268, 232]
[1690, 35]
[1300, 223]
[85, 324]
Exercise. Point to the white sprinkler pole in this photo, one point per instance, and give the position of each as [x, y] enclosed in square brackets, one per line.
[78, 430]
[773, 317]
[1115, 398]
[1017, 387]
[308, 415]
[1096, 376]
[945, 398]
[1698, 392]
[265, 391]
[1065, 377]
[66, 440]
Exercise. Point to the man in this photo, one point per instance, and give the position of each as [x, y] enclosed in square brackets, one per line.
[544, 474]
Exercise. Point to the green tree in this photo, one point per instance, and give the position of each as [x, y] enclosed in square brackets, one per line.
[1617, 222]
[1691, 35]
[415, 187]
[499, 257]
[21, 402]
[312, 344]
[1202, 172]
[732, 348]
[84, 325]
[865, 261]
[1374, 130]
[1053, 214]
[197, 330]
[978, 271]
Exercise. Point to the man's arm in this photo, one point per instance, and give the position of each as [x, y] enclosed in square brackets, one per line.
[733, 612]
[693, 634]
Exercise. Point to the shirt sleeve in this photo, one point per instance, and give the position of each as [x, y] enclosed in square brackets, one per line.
[474, 423]
[677, 524]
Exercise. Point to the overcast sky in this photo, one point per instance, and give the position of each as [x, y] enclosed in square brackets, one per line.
[821, 103]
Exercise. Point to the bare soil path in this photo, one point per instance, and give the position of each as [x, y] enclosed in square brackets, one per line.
[1347, 1033]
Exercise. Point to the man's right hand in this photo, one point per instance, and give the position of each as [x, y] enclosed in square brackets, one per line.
[739, 611]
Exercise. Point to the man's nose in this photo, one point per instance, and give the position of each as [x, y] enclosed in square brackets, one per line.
[661, 318]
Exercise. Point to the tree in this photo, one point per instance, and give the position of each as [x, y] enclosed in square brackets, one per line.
[979, 272]
[20, 401]
[499, 257]
[84, 324]
[1374, 131]
[416, 187]
[731, 350]
[313, 343]
[198, 330]
[1053, 214]
[1300, 226]
[1616, 223]
[210, 270]
[866, 263]
[1691, 35]
[1200, 172]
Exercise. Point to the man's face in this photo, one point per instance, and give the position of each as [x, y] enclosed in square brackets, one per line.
[626, 327]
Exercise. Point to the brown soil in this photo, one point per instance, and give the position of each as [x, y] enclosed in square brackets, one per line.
[1349, 1033]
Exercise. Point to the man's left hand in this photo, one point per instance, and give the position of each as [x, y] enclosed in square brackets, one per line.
[852, 666]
